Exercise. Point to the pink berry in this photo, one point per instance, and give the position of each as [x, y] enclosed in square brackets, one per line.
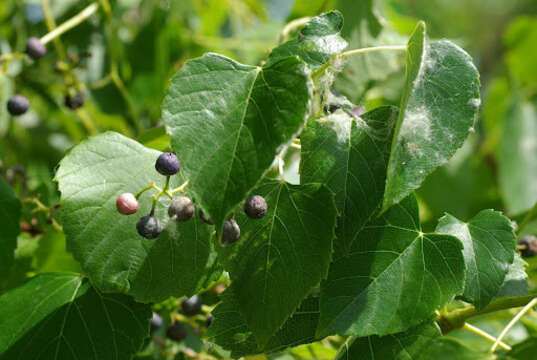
[127, 204]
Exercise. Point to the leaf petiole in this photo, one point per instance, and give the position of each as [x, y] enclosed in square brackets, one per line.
[485, 335]
[518, 316]
[71, 23]
[372, 49]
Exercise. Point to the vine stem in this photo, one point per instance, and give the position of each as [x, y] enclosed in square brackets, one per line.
[513, 321]
[457, 318]
[527, 218]
[71, 23]
[372, 49]
[485, 335]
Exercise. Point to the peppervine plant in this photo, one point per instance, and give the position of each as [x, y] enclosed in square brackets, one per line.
[342, 252]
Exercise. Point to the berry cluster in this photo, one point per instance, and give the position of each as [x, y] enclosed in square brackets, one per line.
[181, 208]
[192, 311]
[19, 104]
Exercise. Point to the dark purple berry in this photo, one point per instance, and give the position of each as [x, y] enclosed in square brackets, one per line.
[530, 243]
[209, 321]
[149, 227]
[76, 101]
[156, 322]
[181, 209]
[192, 306]
[18, 105]
[255, 207]
[230, 232]
[177, 331]
[168, 164]
[35, 48]
[204, 218]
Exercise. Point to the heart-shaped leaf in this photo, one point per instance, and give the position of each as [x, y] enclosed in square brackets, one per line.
[281, 257]
[317, 41]
[60, 316]
[489, 248]
[227, 122]
[393, 278]
[349, 154]
[230, 331]
[10, 212]
[405, 345]
[91, 177]
[438, 110]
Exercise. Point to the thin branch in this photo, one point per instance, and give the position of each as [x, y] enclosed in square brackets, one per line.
[372, 49]
[518, 316]
[71, 23]
[485, 335]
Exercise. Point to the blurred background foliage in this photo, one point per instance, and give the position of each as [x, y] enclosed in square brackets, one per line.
[123, 61]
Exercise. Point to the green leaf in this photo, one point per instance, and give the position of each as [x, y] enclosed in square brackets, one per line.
[227, 122]
[524, 350]
[438, 110]
[60, 316]
[281, 257]
[449, 348]
[317, 41]
[10, 212]
[406, 345]
[106, 243]
[230, 330]
[489, 247]
[517, 157]
[349, 154]
[393, 278]
[516, 279]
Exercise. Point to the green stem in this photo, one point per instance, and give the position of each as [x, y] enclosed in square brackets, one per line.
[51, 25]
[292, 25]
[372, 49]
[518, 316]
[114, 68]
[149, 187]
[457, 318]
[180, 188]
[485, 335]
[71, 23]
[527, 219]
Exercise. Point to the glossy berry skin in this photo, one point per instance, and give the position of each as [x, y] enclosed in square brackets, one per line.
[255, 207]
[35, 48]
[168, 164]
[530, 242]
[204, 218]
[75, 102]
[176, 331]
[230, 232]
[18, 105]
[149, 227]
[181, 209]
[127, 204]
[192, 306]
[156, 322]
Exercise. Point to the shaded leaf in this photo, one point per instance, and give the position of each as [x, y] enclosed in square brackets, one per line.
[281, 257]
[230, 331]
[10, 212]
[437, 112]
[489, 247]
[516, 279]
[60, 316]
[349, 154]
[227, 121]
[406, 345]
[447, 348]
[393, 278]
[106, 243]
